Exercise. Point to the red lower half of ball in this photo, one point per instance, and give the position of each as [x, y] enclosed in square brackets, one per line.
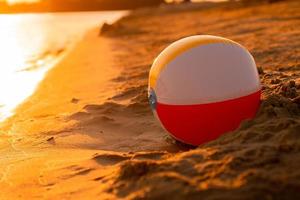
[201, 123]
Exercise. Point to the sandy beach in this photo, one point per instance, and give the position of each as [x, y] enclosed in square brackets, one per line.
[88, 131]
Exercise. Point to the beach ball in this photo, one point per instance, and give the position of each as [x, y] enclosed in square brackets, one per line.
[201, 87]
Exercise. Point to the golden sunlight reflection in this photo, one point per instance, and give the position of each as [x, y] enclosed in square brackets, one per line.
[31, 43]
[15, 85]
[20, 1]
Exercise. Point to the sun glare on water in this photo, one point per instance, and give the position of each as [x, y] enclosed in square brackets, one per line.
[30, 44]
[20, 1]
[15, 83]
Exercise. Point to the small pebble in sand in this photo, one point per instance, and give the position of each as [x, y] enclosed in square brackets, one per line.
[51, 140]
[74, 100]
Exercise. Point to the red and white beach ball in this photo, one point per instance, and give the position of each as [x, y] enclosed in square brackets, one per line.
[201, 87]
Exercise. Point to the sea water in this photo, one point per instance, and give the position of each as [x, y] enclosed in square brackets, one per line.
[30, 44]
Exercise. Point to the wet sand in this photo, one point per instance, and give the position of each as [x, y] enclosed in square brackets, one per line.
[88, 131]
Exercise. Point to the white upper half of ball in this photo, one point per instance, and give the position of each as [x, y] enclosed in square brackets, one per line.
[206, 74]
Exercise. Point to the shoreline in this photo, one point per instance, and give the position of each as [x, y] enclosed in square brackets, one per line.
[88, 131]
[28, 66]
[45, 68]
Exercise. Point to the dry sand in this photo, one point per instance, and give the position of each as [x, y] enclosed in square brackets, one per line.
[88, 132]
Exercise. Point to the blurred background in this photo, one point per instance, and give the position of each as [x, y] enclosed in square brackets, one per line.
[91, 5]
